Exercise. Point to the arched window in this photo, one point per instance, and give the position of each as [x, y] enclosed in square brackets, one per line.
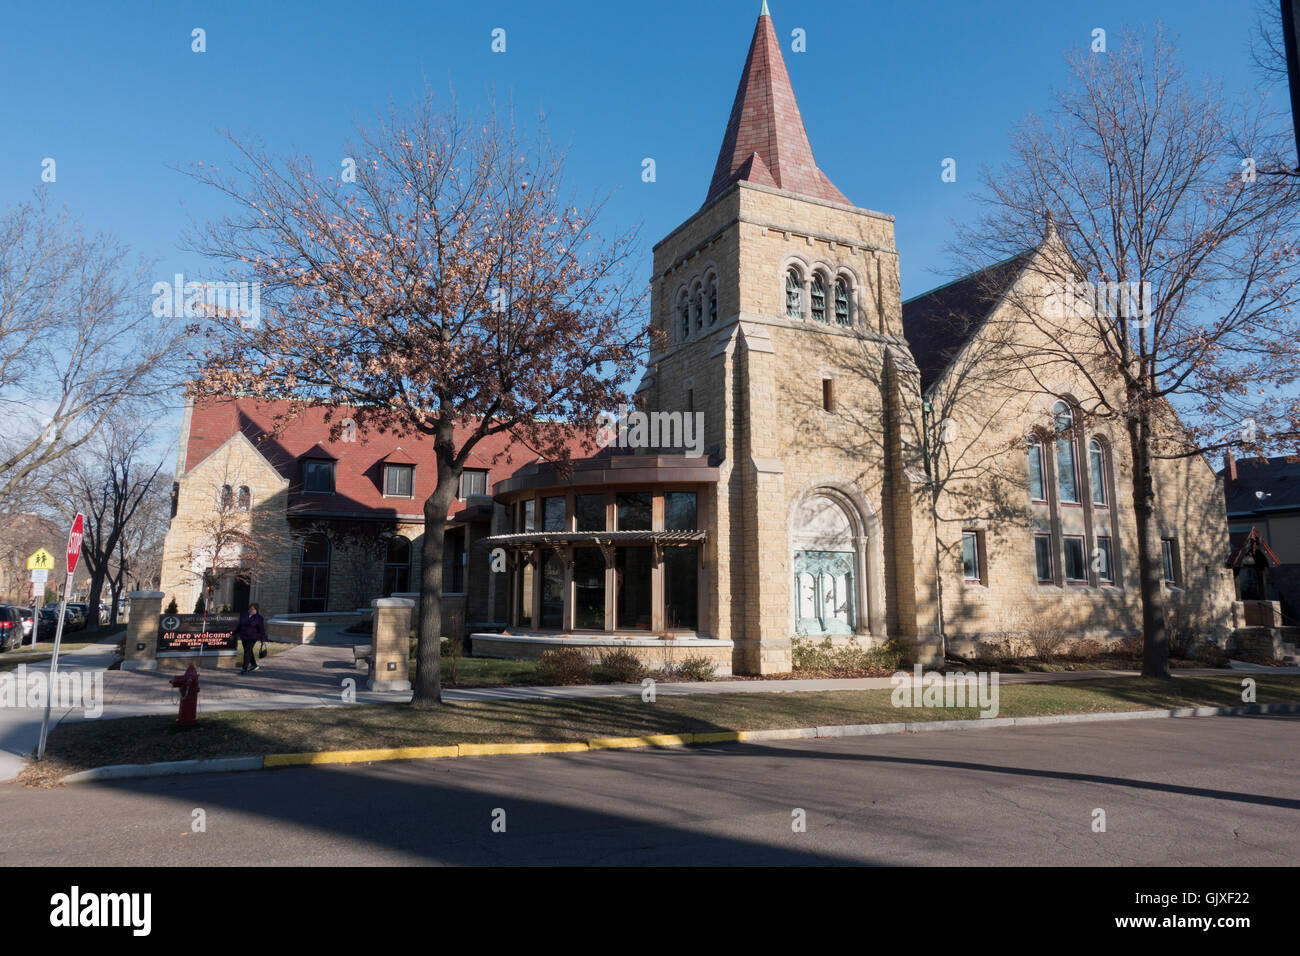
[818, 298]
[245, 498]
[713, 301]
[1097, 472]
[1067, 474]
[227, 498]
[842, 316]
[683, 315]
[794, 294]
[697, 307]
[313, 586]
[1037, 474]
[397, 566]
[825, 568]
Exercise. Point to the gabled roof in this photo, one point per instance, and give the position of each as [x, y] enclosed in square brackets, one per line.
[398, 456]
[939, 323]
[765, 141]
[1264, 485]
[1250, 550]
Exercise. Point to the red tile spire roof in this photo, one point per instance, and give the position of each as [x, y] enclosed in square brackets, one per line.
[765, 140]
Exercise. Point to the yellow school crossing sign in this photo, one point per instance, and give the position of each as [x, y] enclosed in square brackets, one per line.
[42, 560]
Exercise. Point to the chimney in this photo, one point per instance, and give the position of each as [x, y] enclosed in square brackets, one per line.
[1229, 469]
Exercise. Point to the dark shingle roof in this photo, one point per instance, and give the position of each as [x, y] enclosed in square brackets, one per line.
[938, 323]
[1278, 478]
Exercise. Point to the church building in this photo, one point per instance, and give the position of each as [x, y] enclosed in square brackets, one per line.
[822, 505]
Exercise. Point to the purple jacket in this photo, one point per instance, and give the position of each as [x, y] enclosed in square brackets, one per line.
[252, 627]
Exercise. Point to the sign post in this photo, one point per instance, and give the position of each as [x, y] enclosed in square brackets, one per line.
[39, 564]
[73, 555]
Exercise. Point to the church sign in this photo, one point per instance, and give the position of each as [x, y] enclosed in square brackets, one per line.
[194, 632]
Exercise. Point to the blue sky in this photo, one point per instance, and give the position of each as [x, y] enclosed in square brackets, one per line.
[114, 94]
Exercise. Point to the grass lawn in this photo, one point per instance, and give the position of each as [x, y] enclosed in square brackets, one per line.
[488, 672]
[40, 653]
[83, 744]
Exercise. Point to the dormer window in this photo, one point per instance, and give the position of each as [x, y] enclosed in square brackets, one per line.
[399, 481]
[473, 481]
[318, 476]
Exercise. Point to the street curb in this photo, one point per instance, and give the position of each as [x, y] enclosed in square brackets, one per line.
[269, 761]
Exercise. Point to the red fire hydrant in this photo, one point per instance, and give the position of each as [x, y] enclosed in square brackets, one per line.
[189, 687]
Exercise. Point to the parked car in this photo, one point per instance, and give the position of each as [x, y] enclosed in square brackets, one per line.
[79, 614]
[26, 614]
[50, 620]
[11, 627]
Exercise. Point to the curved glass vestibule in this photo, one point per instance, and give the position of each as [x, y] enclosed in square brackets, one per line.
[624, 555]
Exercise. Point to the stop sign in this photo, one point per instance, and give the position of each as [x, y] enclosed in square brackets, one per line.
[74, 541]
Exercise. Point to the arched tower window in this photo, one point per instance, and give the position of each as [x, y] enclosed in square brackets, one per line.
[683, 315]
[713, 301]
[697, 307]
[818, 296]
[842, 316]
[1067, 472]
[793, 294]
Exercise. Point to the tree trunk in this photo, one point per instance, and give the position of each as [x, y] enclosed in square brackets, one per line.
[92, 600]
[428, 662]
[1155, 642]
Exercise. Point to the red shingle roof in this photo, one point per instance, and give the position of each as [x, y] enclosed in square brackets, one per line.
[765, 140]
[358, 470]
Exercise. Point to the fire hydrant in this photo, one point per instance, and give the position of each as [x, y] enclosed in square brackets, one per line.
[189, 688]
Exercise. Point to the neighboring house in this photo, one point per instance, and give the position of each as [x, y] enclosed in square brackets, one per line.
[1264, 494]
[812, 513]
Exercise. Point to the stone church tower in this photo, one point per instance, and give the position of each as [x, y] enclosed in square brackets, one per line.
[779, 317]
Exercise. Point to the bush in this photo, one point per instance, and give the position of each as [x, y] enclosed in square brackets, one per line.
[849, 659]
[1131, 646]
[198, 606]
[1085, 650]
[1000, 650]
[1045, 633]
[171, 607]
[564, 665]
[621, 666]
[695, 668]
[1211, 655]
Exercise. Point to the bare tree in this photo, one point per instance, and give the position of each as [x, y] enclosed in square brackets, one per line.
[1188, 257]
[450, 291]
[114, 475]
[76, 340]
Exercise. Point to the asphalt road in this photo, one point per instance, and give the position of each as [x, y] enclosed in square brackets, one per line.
[1212, 791]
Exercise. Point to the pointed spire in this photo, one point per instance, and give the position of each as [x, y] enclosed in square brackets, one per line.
[765, 139]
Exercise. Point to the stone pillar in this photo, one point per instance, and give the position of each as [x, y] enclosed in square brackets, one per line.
[141, 643]
[390, 644]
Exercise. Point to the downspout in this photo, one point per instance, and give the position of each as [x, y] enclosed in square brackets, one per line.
[927, 409]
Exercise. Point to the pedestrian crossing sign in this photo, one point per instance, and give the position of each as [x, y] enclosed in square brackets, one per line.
[42, 560]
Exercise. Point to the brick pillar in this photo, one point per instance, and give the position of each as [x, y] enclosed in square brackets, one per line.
[390, 644]
[142, 631]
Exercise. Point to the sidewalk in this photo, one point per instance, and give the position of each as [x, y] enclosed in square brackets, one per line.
[313, 675]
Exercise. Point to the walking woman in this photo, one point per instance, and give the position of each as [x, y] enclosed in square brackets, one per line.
[252, 628]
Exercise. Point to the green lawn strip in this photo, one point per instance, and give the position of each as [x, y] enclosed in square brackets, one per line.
[83, 744]
[488, 672]
[38, 656]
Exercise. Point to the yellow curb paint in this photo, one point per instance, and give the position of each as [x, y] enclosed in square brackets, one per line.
[654, 740]
[482, 750]
[722, 737]
[358, 756]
